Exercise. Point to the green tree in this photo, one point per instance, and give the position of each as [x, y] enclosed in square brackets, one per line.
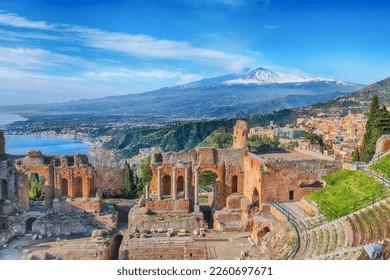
[356, 155]
[129, 181]
[373, 130]
[314, 138]
[264, 143]
[206, 178]
[146, 171]
[36, 190]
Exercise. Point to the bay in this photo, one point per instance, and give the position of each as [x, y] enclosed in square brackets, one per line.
[20, 145]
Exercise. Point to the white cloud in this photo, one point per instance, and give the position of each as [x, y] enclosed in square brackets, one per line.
[17, 21]
[270, 26]
[128, 75]
[6, 35]
[29, 58]
[21, 87]
[136, 45]
[146, 46]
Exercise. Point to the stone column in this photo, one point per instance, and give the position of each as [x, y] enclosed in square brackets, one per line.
[159, 183]
[196, 198]
[174, 189]
[186, 183]
[146, 192]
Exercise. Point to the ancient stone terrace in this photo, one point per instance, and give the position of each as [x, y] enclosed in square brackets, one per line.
[344, 238]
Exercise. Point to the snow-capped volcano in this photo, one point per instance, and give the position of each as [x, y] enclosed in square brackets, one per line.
[260, 77]
[263, 76]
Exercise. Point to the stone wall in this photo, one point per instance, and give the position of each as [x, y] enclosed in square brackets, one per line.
[91, 205]
[55, 224]
[253, 179]
[90, 249]
[382, 145]
[168, 205]
[301, 177]
[239, 135]
[145, 220]
[172, 248]
[314, 154]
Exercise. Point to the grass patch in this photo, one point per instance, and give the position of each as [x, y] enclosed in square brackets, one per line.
[347, 191]
[382, 166]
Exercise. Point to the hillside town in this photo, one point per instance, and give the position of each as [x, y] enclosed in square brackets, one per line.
[339, 136]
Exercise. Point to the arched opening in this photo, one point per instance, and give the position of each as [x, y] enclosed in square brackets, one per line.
[166, 185]
[4, 189]
[64, 187]
[234, 184]
[117, 244]
[36, 191]
[208, 188]
[78, 187]
[180, 186]
[29, 224]
[291, 195]
[255, 198]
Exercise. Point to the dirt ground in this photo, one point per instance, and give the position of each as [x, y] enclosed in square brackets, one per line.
[226, 245]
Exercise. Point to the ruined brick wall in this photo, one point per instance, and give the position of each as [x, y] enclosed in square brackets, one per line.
[67, 176]
[253, 179]
[168, 205]
[90, 205]
[227, 164]
[2, 145]
[173, 248]
[239, 135]
[301, 177]
[7, 177]
[144, 220]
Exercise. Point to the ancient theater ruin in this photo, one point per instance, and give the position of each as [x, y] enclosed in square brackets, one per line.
[255, 208]
[69, 200]
[244, 188]
[244, 182]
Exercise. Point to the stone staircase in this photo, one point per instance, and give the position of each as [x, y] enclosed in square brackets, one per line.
[344, 238]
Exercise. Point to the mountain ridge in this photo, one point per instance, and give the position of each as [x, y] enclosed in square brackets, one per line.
[204, 99]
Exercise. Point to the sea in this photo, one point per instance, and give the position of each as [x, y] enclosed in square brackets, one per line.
[21, 144]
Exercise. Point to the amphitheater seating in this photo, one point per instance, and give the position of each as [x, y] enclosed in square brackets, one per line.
[344, 238]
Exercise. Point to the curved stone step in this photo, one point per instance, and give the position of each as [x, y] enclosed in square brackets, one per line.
[386, 220]
[377, 225]
[361, 229]
[355, 232]
[367, 227]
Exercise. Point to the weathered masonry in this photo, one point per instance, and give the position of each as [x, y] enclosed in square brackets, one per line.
[175, 182]
[244, 181]
[68, 180]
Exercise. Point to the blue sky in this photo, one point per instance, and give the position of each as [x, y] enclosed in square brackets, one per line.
[59, 50]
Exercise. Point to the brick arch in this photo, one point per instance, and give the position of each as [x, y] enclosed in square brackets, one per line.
[23, 191]
[167, 185]
[78, 187]
[64, 187]
[213, 169]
